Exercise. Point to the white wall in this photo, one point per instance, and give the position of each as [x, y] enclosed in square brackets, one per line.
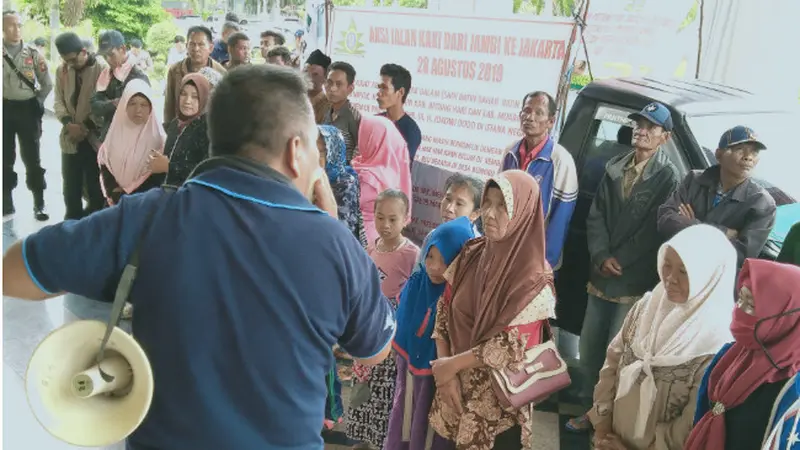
[752, 45]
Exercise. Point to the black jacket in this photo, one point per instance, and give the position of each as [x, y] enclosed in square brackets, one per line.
[185, 148]
[627, 229]
[103, 108]
[748, 209]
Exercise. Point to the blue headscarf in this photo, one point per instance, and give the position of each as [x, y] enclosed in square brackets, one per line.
[416, 314]
[344, 181]
[336, 153]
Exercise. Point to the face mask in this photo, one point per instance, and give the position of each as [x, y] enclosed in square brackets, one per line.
[760, 343]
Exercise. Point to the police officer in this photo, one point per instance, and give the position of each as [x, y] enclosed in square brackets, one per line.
[26, 83]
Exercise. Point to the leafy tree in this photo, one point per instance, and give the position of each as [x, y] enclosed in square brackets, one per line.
[562, 8]
[130, 17]
[403, 3]
[160, 37]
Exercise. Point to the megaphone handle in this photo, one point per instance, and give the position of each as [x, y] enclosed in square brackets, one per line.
[124, 287]
[120, 297]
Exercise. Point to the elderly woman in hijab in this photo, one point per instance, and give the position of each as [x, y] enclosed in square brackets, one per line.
[343, 179]
[500, 299]
[382, 163]
[749, 396]
[187, 135]
[648, 386]
[135, 133]
[416, 316]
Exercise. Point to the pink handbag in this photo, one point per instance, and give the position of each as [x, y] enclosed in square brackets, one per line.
[543, 373]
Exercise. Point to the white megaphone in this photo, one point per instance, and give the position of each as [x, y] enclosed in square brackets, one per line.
[83, 402]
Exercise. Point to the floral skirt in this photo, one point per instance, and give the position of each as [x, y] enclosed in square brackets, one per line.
[370, 420]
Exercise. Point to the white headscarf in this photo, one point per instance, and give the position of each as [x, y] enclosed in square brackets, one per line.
[670, 334]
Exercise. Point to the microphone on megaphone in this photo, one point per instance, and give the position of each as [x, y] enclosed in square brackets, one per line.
[90, 383]
[82, 401]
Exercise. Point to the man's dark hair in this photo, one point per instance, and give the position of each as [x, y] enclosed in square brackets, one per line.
[401, 77]
[178, 38]
[40, 42]
[474, 184]
[279, 39]
[200, 29]
[136, 43]
[259, 108]
[232, 17]
[69, 42]
[347, 68]
[235, 38]
[281, 52]
[10, 12]
[231, 26]
[393, 194]
[551, 102]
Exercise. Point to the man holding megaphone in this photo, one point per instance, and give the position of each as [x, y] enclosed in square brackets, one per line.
[241, 288]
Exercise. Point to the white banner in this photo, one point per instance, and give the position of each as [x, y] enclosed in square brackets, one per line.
[630, 38]
[469, 76]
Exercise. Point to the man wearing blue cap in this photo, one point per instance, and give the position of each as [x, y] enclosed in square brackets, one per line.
[725, 196]
[120, 71]
[623, 237]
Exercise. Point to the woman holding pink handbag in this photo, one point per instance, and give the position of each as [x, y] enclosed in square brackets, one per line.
[500, 298]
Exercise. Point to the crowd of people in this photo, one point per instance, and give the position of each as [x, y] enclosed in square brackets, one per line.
[688, 340]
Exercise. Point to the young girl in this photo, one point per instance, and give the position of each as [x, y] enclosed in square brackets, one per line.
[394, 255]
[416, 315]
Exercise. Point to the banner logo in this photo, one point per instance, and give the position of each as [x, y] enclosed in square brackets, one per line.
[350, 43]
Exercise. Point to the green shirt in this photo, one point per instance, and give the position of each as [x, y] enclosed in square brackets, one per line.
[790, 252]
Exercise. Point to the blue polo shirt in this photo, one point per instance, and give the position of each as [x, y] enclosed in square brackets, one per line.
[242, 290]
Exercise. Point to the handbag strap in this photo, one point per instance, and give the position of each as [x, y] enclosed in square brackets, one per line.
[125, 284]
[22, 77]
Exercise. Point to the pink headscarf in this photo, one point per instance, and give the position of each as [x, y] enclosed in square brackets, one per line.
[120, 73]
[382, 160]
[127, 146]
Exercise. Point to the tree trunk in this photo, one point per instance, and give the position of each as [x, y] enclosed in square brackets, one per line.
[54, 28]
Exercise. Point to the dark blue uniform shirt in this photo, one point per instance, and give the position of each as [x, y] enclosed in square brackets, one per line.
[411, 134]
[243, 288]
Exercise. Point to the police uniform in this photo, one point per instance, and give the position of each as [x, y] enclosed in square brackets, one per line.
[22, 119]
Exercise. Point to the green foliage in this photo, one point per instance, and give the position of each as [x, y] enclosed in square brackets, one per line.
[159, 39]
[131, 17]
[33, 29]
[403, 3]
[561, 8]
[159, 70]
[691, 16]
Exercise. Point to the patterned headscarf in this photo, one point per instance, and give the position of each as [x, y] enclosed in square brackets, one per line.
[335, 159]
[211, 75]
[344, 181]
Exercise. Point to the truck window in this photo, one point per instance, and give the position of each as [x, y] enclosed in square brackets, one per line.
[609, 136]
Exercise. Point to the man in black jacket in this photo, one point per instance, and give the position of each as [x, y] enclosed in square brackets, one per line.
[725, 196]
[104, 101]
[623, 235]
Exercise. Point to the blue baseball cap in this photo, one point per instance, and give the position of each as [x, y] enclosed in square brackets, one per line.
[110, 40]
[739, 135]
[299, 33]
[655, 113]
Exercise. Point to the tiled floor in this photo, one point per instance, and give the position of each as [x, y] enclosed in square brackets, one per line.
[27, 323]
